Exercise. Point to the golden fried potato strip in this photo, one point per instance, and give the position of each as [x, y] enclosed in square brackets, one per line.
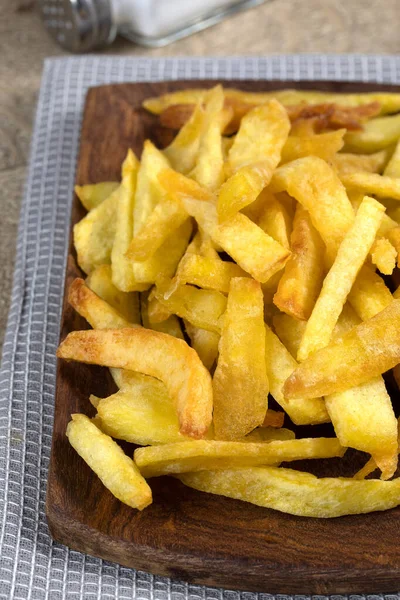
[301, 281]
[350, 257]
[94, 194]
[152, 353]
[116, 470]
[254, 155]
[240, 380]
[298, 493]
[368, 350]
[204, 455]
[127, 304]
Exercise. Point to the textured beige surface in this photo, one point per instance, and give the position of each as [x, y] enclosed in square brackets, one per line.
[277, 26]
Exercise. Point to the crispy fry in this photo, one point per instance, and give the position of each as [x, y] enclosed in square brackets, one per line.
[204, 342]
[96, 311]
[93, 195]
[170, 325]
[253, 157]
[162, 223]
[208, 170]
[290, 331]
[203, 455]
[240, 380]
[253, 250]
[392, 168]
[371, 348]
[207, 273]
[336, 287]
[116, 470]
[298, 493]
[369, 294]
[141, 414]
[389, 102]
[156, 311]
[384, 255]
[156, 354]
[280, 365]
[267, 434]
[317, 187]
[366, 470]
[346, 163]
[183, 150]
[376, 135]
[302, 278]
[273, 418]
[127, 304]
[275, 220]
[324, 145]
[94, 234]
[372, 183]
[122, 268]
[202, 308]
[333, 116]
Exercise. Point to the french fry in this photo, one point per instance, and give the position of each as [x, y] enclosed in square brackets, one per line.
[98, 313]
[324, 145]
[372, 183]
[202, 308]
[170, 325]
[350, 257]
[208, 273]
[389, 102]
[183, 150]
[301, 281]
[253, 250]
[116, 470]
[208, 170]
[369, 467]
[376, 135]
[94, 194]
[346, 163]
[122, 268]
[204, 342]
[368, 350]
[94, 234]
[268, 434]
[253, 157]
[275, 220]
[280, 365]
[162, 223]
[290, 331]
[384, 255]
[392, 168]
[148, 194]
[363, 418]
[369, 294]
[156, 354]
[203, 455]
[240, 382]
[316, 186]
[141, 414]
[298, 493]
[273, 418]
[127, 304]
[156, 311]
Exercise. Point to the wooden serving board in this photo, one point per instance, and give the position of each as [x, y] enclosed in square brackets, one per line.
[187, 534]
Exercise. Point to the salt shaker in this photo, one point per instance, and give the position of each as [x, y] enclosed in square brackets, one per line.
[83, 25]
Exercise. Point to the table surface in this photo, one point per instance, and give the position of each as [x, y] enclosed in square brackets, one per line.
[278, 26]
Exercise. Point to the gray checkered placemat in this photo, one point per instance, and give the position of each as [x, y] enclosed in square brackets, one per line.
[31, 564]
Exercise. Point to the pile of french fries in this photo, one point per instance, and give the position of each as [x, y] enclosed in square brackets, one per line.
[243, 265]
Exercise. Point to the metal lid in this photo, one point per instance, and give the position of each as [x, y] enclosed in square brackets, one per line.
[79, 25]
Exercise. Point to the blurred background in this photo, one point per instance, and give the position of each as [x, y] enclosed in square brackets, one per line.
[275, 26]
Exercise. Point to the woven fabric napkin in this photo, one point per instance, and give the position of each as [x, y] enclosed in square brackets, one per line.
[31, 564]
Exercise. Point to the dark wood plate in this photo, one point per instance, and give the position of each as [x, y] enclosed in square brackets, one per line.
[187, 534]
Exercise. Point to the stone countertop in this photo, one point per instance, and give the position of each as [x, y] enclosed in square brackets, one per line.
[278, 26]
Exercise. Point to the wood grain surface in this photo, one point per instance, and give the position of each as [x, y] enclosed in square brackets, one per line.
[187, 534]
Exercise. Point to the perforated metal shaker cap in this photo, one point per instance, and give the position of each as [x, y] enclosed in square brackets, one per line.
[79, 25]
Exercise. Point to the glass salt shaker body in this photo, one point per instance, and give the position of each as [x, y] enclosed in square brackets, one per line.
[84, 25]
